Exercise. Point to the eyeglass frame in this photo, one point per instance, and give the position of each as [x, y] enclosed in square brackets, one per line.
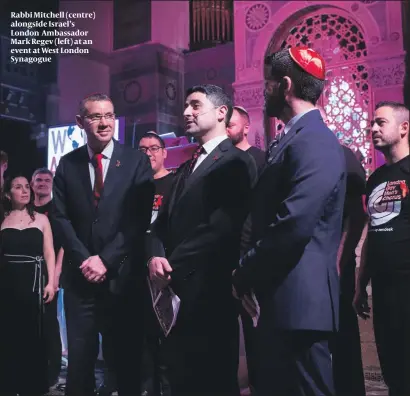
[152, 149]
[99, 117]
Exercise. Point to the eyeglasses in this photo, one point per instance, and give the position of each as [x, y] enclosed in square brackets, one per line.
[152, 149]
[99, 117]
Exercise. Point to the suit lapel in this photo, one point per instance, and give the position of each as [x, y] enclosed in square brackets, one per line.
[83, 173]
[279, 148]
[211, 159]
[112, 171]
[178, 186]
[205, 166]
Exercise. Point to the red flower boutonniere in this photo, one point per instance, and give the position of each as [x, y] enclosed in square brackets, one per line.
[215, 157]
[404, 189]
[118, 164]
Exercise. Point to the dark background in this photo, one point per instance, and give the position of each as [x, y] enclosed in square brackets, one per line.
[24, 156]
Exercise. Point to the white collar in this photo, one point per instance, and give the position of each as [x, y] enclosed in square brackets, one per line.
[211, 145]
[107, 152]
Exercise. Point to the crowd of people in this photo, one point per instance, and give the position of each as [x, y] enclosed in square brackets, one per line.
[236, 233]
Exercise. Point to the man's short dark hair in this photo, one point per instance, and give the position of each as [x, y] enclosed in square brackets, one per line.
[400, 110]
[95, 97]
[306, 87]
[216, 95]
[243, 113]
[4, 158]
[154, 135]
[42, 171]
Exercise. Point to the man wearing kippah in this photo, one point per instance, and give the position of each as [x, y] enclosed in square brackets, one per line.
[296, 230]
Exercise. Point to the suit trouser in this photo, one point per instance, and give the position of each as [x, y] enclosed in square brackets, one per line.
[249, 341]
[345, 345]
[391, 320]
[116, 318]
[53, 340]
[294, 363]
[202, 363]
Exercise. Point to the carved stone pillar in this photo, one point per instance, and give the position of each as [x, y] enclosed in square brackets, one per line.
[147, 88]
[386, 78]
[250, 96]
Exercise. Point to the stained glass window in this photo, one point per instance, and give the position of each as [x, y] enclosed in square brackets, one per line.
[346, 97]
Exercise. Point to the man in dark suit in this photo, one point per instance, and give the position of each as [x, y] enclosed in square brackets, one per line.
[199, 230]
[296, 220]
[103, 195]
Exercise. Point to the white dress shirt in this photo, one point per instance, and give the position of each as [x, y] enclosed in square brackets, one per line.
[209, 146]
[107, 154]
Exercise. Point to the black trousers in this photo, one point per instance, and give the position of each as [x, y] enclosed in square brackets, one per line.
[202, 360]
[293, 363]
[249, 341]
[118, 320]
[391, 321]
[53, 340]
[345, 345]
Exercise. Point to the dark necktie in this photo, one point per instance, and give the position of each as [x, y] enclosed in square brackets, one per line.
[200, 150]
[273, 144]
[187, 171]
[99, 180]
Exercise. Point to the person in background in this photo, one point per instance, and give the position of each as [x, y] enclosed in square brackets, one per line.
[154, 146]
[385, 255]
[3, 167]
[346, 346]
[42, 184]
[4, 162]
[154, 379]
[238, 129]
[26, 286]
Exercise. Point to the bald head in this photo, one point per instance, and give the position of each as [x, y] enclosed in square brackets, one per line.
[238, 127]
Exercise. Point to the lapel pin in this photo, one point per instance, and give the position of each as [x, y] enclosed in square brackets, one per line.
[117, 164]
[215, 157]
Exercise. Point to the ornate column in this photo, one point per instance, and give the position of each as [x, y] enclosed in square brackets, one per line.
[406, 33]
[386, 78]
[250, 96]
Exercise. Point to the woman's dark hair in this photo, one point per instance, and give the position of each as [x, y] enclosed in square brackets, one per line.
[6, 206]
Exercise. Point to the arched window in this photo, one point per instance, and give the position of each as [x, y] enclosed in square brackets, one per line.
[346, 97]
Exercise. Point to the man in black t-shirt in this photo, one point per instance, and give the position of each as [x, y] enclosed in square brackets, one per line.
[154, 377]
[346, 346]
[42, 184]
[238, 129]
[386, 252]
[154, 146]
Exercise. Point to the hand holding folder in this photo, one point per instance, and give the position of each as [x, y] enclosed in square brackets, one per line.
[166, 306]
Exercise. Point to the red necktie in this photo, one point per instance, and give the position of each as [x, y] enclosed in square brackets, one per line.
[200, 150]
[99, 181]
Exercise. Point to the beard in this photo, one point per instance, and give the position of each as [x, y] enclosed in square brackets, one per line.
[236, 139]
[275, 104]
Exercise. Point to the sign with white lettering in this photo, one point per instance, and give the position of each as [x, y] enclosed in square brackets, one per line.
[66, 138]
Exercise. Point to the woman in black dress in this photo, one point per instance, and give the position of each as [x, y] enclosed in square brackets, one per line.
[27, 262]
